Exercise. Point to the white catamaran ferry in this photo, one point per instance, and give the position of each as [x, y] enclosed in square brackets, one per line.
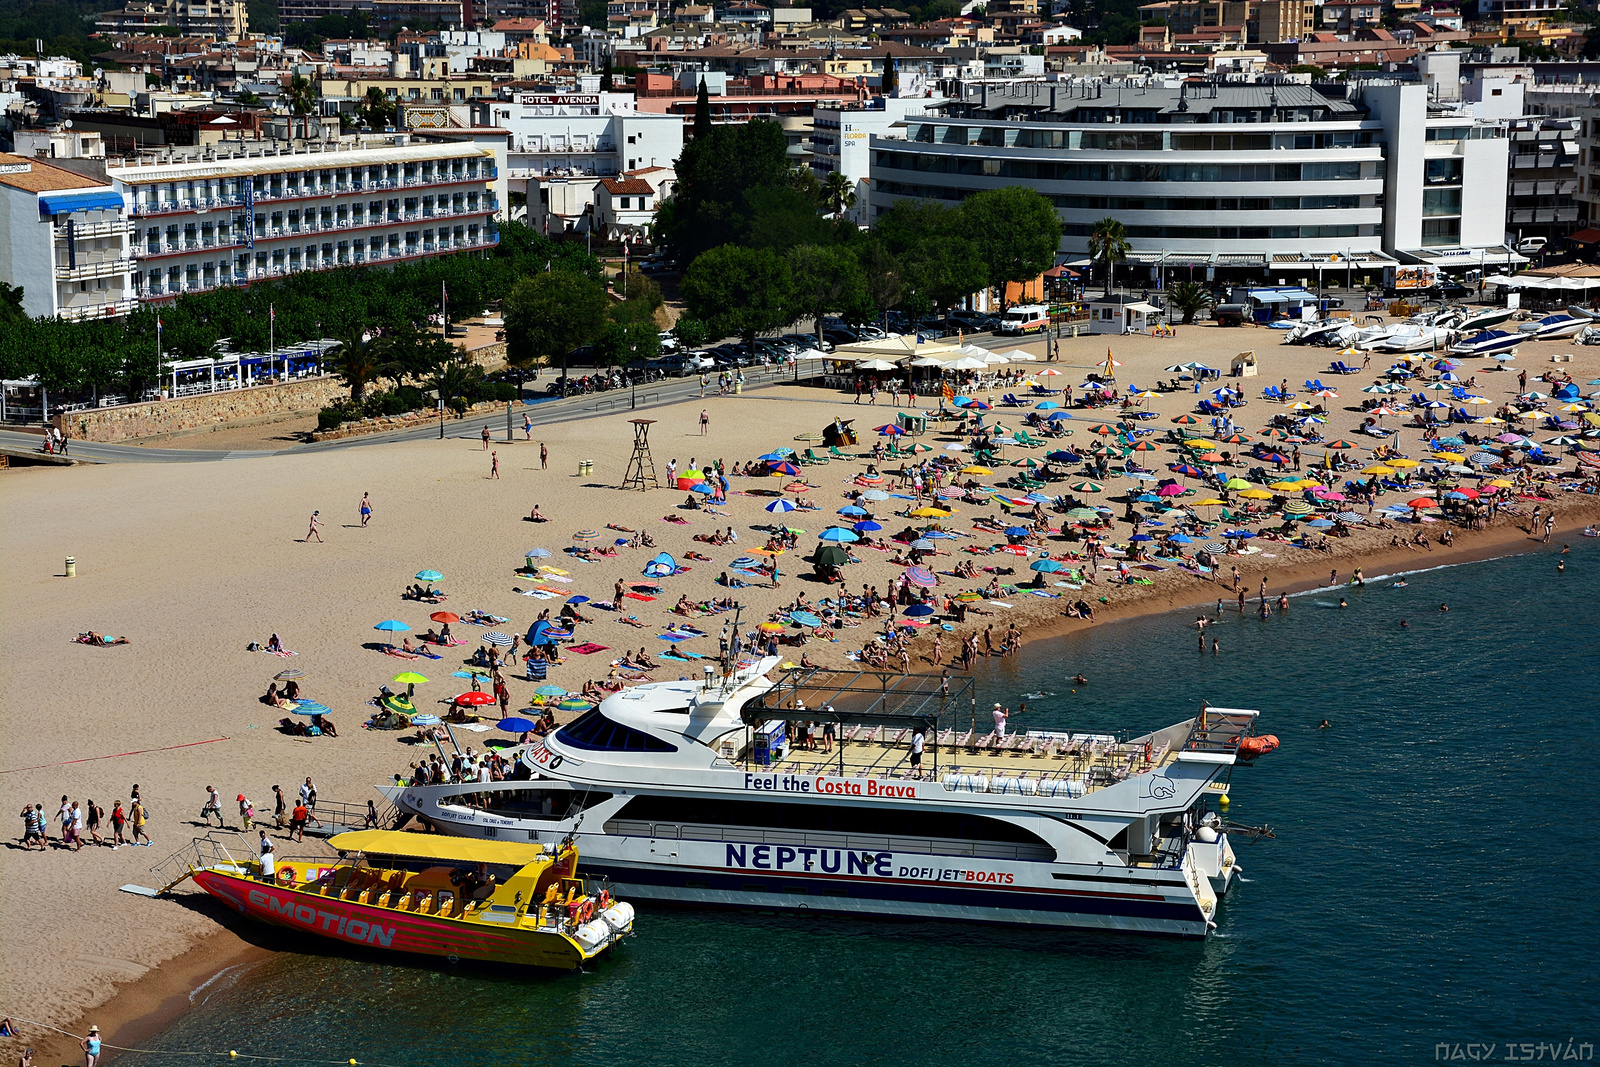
[688, 791]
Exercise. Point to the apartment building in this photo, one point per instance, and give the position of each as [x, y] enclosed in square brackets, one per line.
[1265, 21]
[64, 240]
[1223, 174]
[203, 221]
[224, 19]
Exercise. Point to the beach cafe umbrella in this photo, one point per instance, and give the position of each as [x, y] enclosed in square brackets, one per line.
[429, 576]
[918, 611]
[391, 625]
[1186, 420]
[921, 577]
[498, 639]
[1340, 443]
[780, 506]
[866, 526]
[1147, 446]
[837, 533]
[515, 725]
[1102, 429]
[474, 699]
[284, 676]
[783, 468]
[309, 708]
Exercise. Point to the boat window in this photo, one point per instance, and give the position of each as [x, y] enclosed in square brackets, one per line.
[595, 732]
[887, 822]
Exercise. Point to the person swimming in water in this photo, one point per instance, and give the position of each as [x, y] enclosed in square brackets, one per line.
[1324, 725]
[1401, 584]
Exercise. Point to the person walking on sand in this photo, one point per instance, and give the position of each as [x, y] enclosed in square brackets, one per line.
[494, 465]
[247, 813]
[544, 457]
[366, 509]
[279, 807]
[485, 436]
[30, 829]
[91, 1047]
[705, 421]
[527, 427]
[119, 819]
[92, 816]
[212, 806]
[140, 819]
[315, 530]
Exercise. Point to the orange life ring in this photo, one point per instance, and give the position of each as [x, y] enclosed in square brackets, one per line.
[586, 912]
[286, 875]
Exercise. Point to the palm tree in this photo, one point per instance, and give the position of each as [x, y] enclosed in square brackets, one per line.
[838, 193]
[359, 362]
[302, 102]
[1108, 241]
[450, 379]
[1191, 298]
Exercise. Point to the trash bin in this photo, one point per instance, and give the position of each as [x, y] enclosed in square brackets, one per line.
[586, 466]
[72, 566]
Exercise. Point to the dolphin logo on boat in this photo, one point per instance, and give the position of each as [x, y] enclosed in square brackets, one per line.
[1157, 787]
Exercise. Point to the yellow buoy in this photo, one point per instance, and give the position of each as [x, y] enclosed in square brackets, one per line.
[1222, 801]
[233, 1054]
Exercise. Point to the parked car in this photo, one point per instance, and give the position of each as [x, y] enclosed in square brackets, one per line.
[1451, 289]
[806, 342]
[659, 263]
[1330, 301]
[1531, 246]
[974, 321]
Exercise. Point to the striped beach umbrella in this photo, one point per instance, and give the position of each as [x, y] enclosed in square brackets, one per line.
[585, 535]
[921, 577]
[498, 639]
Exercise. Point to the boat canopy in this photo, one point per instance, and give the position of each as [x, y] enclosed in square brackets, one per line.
[432, 847]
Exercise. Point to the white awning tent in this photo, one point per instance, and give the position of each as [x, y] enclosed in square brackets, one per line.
[876, 365]
[1537, 281]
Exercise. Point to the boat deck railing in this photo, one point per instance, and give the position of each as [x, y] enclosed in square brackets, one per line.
[1220, 730]
[218, 848]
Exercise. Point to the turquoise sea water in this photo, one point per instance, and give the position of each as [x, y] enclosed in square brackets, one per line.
[1432, 881]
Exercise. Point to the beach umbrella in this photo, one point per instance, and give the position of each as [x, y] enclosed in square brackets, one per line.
[1238, 483]
[968, 597]
[1083, 513]
[922, 544]
[409, 678]
[1298, 507]
[515, 725]
[1051, 372]
[1320, 524]
[831, 555]
[537, 553]
[866, 526]
[1215, 547]
[1048, 405]
[1147, 498]
[1186, 420]
[1188, 470]
[575, 704]
[498, 639]
[1421, 502]
[284, 676]
[1147, 446]
[783, 468]
[1102, 429]
[470, 673]
[445, 616]
[1291, 484]
[1403, 463]
[805, 618]
[771, 627]
[391, 625]
[1062, 456]
[1256, 494]
[921, 577]
[550, 691]
[1057, 416]
[976, 470]
[976, 405]
[309, 708]
[701, 487]
[429, 576]
[780, 506]
[889, 429]
[1340, 443]
[1238, 535]
[875, 495]
[1378, 469]
[1209, 502]
[773, 457]
[1025, 461]
[1086, 487]
[473, 699]
[1171, 489]
[1047, 566]
[585, 535]
[426, 719]
[1141, 537]
[838, 533]
[851, 509]
[918, 611]
[931, 513]
[1181, 539]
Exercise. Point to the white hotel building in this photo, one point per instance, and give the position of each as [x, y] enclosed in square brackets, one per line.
[1232, 179]
[199, 223]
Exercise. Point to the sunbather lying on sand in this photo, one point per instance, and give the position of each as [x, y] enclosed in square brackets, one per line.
[91, 638]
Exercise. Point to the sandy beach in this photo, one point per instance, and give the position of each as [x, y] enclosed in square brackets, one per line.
[194, 561]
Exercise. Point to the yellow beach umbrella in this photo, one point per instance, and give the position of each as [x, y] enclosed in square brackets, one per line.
[1299, 405]
[976, 470]
[1256, 494]
[1490, 420]
[932, 513]
[1403, 463]
[1378, 468]
[1212, 502]
[1450, 457]
[1201, 443]
[1286, 486]
[1503, 483]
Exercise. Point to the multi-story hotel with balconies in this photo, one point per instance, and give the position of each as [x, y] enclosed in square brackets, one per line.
[203, 222]
[64, 241]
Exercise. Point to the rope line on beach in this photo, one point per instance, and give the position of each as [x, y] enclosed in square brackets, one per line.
[230, 1054]
[117, 755]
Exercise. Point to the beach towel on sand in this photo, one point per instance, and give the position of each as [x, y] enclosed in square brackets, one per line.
[588, 648]
[284, 653]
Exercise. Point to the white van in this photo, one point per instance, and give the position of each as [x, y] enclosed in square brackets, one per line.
[1024, 318]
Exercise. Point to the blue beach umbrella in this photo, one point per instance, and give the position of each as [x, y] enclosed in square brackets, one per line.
[1181, 539]
[429, 576]
[1046, 566]
[1048, 405]
[391, 625]
[866, 526]
[1018, 531]
[701, 487]
[837, 533]
[537, 553]
[309, 708]
[515, 725]
[780, 506]
[851, 509]
[918, 611]
[805, 618]
[425, 719]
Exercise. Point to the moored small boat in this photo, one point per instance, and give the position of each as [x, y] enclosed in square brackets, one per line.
[499, 902]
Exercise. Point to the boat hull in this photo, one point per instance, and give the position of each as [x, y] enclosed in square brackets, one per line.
[349, 923]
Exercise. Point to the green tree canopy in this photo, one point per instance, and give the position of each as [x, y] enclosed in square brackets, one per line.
[826, 280]
[1017, 233]
[743, 291]
[735, 186]
[549, 314]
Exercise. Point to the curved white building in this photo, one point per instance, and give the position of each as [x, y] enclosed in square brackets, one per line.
[1266, 176]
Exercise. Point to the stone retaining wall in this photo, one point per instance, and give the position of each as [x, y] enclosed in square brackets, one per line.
[402, 422]
[490, 357]
[132, 421]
